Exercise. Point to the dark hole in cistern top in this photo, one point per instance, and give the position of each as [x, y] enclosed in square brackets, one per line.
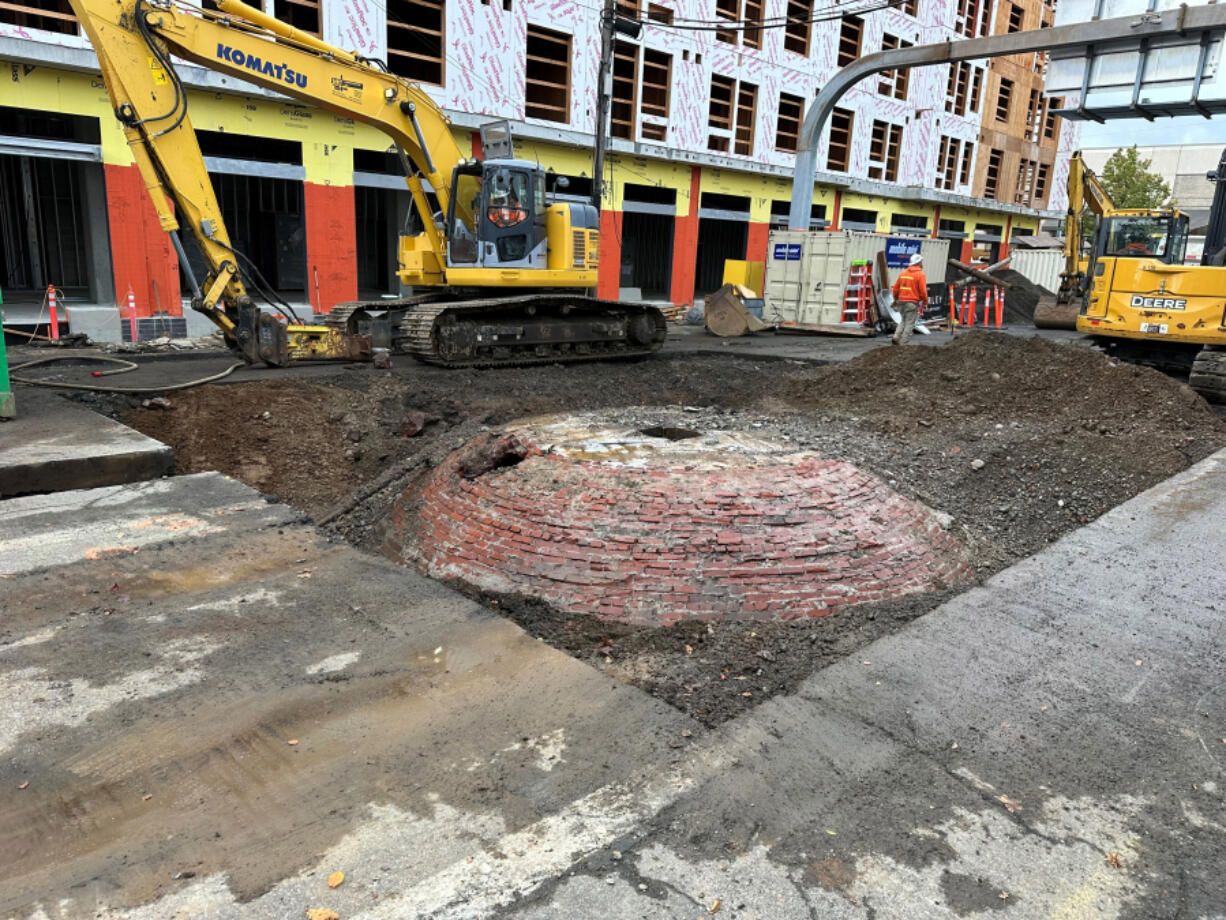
[510, 458]
[670, 434]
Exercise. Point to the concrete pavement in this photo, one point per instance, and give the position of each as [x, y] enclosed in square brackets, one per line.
[54, 444]
[1050, 745]
[211, 716]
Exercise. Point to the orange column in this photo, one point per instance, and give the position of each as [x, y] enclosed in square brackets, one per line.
[331, 244]
[1004, 243]
[838, 210]
[755, 245]
[936, 220]
[142, 256]
[968, 251]
[608, 281]
[685, 246]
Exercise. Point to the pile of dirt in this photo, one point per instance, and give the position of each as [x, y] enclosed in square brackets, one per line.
[987, 373]
[1020, 440]
[1021, 297]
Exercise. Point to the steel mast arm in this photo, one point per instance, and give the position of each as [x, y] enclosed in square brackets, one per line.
[1182, 20]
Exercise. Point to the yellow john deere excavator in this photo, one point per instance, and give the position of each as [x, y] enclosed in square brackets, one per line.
[1134, 292]
[500, 274]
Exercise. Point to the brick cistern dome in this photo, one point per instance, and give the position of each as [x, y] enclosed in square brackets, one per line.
[651, 525]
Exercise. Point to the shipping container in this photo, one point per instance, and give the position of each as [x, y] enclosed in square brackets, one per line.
[1038, 266]
[807, 271]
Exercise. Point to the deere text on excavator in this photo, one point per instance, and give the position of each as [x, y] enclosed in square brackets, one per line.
[500, 274]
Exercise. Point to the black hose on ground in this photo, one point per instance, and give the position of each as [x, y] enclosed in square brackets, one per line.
[126, 368]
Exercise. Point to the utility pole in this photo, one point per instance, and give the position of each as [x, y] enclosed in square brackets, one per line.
[604, 97]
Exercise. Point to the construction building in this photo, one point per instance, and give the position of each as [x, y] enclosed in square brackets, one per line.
[1020, 136]
[705, 124]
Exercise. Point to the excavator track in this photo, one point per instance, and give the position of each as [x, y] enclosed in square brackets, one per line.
[342, 313]
[530, 329]
[1208, 375]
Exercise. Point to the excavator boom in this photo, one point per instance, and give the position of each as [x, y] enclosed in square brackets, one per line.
[487, 225]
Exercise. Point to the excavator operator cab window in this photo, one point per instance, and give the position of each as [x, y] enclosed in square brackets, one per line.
[462, 222]
[513, 223]
[1143, 237]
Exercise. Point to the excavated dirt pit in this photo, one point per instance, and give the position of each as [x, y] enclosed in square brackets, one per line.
[656, 524]
[1013, 442]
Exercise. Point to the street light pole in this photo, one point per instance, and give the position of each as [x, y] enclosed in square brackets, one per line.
[604, 95]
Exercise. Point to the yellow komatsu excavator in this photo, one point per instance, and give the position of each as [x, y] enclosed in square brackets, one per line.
[1135, 293]
[500, 274]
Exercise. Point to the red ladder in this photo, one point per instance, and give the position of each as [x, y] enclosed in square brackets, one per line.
[856, 296]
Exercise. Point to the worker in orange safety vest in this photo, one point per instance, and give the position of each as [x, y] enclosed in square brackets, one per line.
[910, 295]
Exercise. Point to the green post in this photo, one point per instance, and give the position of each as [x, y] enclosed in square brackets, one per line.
[8, 407]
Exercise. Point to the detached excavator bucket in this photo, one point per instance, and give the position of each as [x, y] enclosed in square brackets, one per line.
[1050, 314]
[727, 315]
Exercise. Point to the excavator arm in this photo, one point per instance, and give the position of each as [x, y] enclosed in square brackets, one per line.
[1084, 191]
[134, 41]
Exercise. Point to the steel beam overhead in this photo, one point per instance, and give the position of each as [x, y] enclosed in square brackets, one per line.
[1120, 34]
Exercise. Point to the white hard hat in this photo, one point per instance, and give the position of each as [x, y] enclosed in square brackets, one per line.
[916, 259]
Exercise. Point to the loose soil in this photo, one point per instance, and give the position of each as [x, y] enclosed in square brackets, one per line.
[1019, 440]
[1021, 296]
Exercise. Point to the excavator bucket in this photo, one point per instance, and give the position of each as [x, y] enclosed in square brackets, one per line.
[1050, 314]
[727, 315]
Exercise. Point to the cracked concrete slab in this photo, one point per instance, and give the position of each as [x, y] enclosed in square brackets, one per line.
[54, 444]
[203, 725]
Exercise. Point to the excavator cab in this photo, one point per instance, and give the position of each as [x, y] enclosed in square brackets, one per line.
[497, 215]
[1144, 236]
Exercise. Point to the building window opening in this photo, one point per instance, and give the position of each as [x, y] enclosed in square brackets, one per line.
[265, 219]
[379, 215]
[952, 229]
[727, 11]
[1016, 17]
[787, 127]
[301, 14]
[909, 224]
[893, 83]
[659, 14]
[625, 90]
[1003, 99]
[47, 15]
[746, 110]
[884, 151]
[547, 75]
[799, 28]
[43, 233]
[719, 113]
[415, 33]
[965, 172]
[860, 219]
[842, 122]
[781, 214]
[657, 79]
[1040, 184]
[851, 34]
[991, 182]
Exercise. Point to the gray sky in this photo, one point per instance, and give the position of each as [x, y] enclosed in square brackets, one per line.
[1160, 131]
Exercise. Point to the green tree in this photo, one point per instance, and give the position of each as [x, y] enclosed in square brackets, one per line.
[1128, 181]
